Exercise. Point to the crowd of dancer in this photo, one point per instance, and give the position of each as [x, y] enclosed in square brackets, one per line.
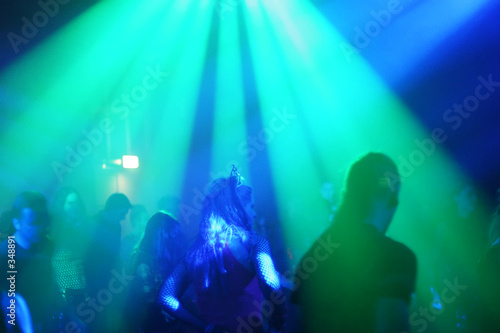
[68, 272]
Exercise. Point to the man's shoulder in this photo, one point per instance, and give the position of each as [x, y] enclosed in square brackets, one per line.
[396, 248]
[396, 254]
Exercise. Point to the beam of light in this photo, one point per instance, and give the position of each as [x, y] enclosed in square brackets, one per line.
[65, 82]
[258, 156]
[180, 45]
[284, 78]
[200, 143]
[348, 110]
[77, 64]
[83, 75]
[229, 123]
[443, 19]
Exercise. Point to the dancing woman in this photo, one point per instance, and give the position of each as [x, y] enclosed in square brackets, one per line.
[230, 267]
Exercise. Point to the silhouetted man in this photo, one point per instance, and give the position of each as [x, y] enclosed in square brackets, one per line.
[104, 269]
[354, 278]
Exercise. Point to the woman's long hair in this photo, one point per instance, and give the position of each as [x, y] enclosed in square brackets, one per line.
[59, 200]
[163, 240]
[223, 217]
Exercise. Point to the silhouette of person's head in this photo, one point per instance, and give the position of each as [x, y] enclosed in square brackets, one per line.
[371, 191]
[230, 202]
[163, 238]
[30, 218]
[116, 207]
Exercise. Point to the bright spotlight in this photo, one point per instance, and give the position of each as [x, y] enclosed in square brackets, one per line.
[130, 161]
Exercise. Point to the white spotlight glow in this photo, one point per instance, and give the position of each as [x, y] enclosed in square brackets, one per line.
[130, 161]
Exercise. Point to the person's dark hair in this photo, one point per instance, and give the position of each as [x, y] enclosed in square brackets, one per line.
[164, 240]
[116, 208]
[370, 177]
[117, 201]
[223, 217]
[31, 199]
